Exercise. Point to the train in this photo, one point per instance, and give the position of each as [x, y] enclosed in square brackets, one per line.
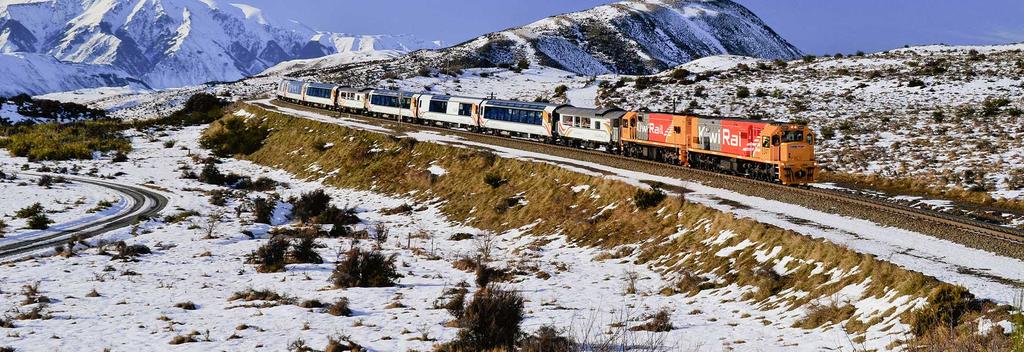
[772, 151]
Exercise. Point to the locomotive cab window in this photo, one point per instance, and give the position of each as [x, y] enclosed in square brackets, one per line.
[678, 130]
[767, 142]
[792, 136]
[810, 138]
[775, 140]
[597, 124]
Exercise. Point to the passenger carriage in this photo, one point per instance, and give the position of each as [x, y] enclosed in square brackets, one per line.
[589, 128]
[390, 104]
[320, 95]
[291, 90]
[352, 100]
[519, 119]
[448, 111]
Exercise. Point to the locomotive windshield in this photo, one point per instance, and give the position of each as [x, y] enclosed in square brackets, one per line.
[792, 136]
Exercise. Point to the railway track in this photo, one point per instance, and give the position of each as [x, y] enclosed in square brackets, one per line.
[146, 203]
[1010, 241]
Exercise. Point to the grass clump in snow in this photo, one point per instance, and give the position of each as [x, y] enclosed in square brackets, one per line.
[657, 322]
[644, 199]
[310, 205]
[74, 141]
[365, 269]
[819, 314]
[339, 308]
[304, 251]
[234, 136]
[270, 257]
[490, 322]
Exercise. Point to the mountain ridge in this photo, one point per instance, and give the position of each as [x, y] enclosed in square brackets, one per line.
[169, 43]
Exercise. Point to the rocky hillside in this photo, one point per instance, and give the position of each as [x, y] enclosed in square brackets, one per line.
[632, 37]
[166, 43]
[944, 116]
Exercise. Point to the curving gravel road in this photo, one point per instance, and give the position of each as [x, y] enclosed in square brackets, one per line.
[144, 203]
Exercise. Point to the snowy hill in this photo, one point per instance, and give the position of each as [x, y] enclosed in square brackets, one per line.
[633, 37]
[166, 43]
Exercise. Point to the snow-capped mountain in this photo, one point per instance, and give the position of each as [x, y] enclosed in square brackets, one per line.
[168, 43]
[633, 37]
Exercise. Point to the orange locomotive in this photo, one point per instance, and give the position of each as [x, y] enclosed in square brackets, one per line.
[765, 150]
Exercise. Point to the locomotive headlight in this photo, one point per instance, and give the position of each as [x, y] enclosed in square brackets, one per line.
[801, 173]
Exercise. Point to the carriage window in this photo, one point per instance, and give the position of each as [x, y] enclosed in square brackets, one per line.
[615, 123]
[792, 136]
[597, 124]
[567, 120]
[439, 106]
[465, 110]
[585, 122]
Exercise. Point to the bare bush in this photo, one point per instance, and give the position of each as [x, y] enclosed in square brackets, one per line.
[365, 269]
[270, 257]
[491, 321]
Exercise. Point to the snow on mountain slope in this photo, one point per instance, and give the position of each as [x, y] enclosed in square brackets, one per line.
[633, 37]
[330, 61]
[171, 43]
[24, 72]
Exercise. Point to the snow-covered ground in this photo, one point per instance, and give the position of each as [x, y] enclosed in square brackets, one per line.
[63, 202]
[987, 275]
[135, 307]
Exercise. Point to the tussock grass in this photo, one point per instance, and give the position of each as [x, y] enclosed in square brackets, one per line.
[602, 216]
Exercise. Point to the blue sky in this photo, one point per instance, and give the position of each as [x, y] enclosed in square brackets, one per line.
[814, 26]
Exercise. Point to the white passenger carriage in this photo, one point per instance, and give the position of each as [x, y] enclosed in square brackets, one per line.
[352, 100]
[519, 119]
[390, 104]
[290, 89]
[448, 111]
[320, 95]
[589, 128]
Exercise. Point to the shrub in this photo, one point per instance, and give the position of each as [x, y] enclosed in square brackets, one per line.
[821, 314]
[39, 222]
[67, 141]
[310, 205]
[523, 64]
[491, 321]
[659, 322]
[45, 181]
[304, 251]
[680, 74]
[270, 257]
[494, 180]
[169, 143]
[938, 116]
[946, 304]
[456, 306]
[808, 58]
[561, 90]
[338, 217]
[127, 252]
[992, 106]
[644, 199]
[365, 269]
[339, 308]
[263, 209]
[119, 157]
[30, 211]
[915, 83]
[827, 133]
[233, 136]
[547, 339]
[742, 92]
[186, 305]
[211, 175]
